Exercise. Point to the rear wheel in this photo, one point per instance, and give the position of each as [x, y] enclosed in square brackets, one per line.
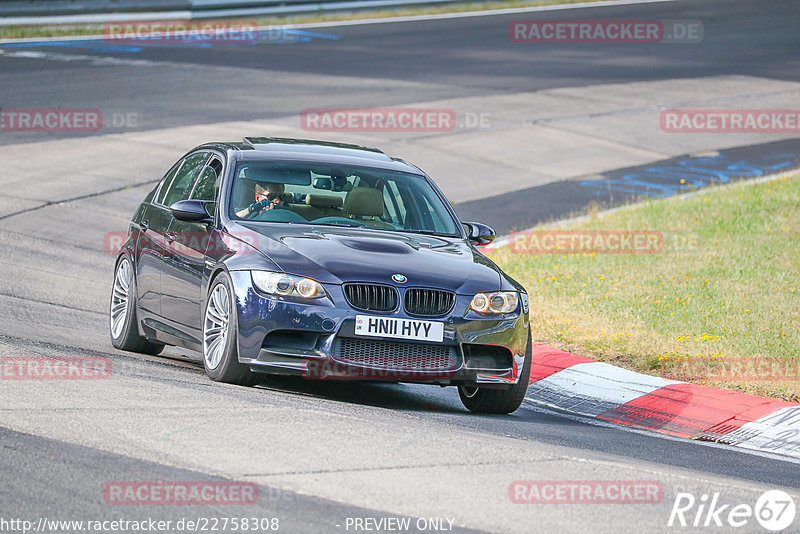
[220, 354]
[483, 400]
[123, 326]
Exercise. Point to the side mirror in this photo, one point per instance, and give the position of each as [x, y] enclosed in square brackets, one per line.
[479, 233]
[191, 211]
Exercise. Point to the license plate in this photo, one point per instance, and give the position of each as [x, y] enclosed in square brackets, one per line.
[396, 327]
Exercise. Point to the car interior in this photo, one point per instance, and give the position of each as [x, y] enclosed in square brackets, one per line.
[342, 197]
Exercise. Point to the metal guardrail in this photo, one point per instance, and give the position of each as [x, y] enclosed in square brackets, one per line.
[33, 8]
[77, 11]
[22, 8]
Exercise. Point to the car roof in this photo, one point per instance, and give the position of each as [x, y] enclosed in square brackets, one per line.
[282, 148]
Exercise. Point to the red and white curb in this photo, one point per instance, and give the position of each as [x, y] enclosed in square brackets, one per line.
[587, 387]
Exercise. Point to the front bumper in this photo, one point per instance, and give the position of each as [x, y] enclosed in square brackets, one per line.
[316, 340]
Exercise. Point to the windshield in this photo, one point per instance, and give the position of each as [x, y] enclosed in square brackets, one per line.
[337, 195]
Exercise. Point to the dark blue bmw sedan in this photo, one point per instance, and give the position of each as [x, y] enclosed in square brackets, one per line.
[323, 260]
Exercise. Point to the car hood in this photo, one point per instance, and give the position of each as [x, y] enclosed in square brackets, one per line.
[337, 255]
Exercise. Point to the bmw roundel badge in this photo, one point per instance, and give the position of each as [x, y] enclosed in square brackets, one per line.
[399, 278]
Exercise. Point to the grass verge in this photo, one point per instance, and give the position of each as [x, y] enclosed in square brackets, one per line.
[719, 305]
[70, 30]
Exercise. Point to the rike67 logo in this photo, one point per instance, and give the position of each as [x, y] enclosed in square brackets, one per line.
[774, 510]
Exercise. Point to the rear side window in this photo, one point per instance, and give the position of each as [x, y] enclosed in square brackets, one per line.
[178, 188]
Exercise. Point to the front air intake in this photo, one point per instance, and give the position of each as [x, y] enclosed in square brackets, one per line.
[395, 355]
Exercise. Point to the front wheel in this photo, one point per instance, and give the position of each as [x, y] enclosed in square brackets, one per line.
[482, 400]
[122, 321]
[220, 355]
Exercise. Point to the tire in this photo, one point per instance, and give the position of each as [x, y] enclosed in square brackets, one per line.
[220, 354]
[122, 323]
[503, 401]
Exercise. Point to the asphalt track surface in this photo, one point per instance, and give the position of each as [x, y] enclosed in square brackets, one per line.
[324, 452]
[396, 63]
[556, 201]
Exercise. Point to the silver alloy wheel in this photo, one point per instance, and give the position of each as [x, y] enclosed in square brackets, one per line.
[119, 297]
[215, 326]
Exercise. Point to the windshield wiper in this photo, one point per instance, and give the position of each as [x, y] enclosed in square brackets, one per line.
[428, 232]
[340, 225]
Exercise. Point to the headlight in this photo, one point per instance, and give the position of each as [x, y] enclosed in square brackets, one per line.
[286, 285]
[500, 302]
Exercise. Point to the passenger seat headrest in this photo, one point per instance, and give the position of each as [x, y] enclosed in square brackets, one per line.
[323, 201]
[364, 202]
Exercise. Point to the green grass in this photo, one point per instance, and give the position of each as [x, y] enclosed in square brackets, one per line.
[29, 31]
[724, 290]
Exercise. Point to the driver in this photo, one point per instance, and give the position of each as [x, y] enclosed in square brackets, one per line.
[268, 196]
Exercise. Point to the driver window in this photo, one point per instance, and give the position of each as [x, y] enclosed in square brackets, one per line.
[179, 188]
[205, 188]
[166, 181]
